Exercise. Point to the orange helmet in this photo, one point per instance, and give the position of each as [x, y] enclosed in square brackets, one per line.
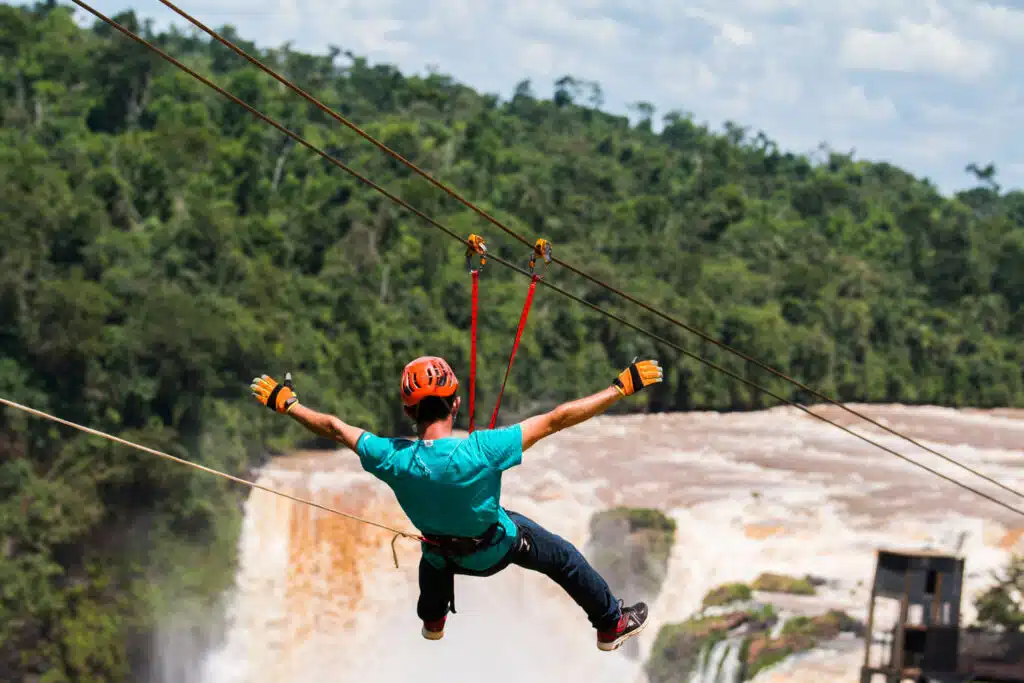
[427, 376]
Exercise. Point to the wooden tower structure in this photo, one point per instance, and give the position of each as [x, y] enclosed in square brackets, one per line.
[913, 627]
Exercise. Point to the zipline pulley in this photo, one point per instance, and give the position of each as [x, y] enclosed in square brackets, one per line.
[477, 247]
[542, 249]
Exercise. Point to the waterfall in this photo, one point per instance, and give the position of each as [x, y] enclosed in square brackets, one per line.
[720, 663]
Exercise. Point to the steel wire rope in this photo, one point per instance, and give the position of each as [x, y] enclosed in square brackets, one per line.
[651, 309]
[522, 271]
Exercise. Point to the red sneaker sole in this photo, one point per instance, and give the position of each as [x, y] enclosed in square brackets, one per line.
[614, 645]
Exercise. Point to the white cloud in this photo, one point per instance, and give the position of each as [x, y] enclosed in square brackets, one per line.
[866, 74]
[377, 35]
[933, 146]
[916, 47]
[855, 105]
[770, 6]
[538, 57]
[780, 85]
[1016, 169]
[1000, 22]
[736, 35]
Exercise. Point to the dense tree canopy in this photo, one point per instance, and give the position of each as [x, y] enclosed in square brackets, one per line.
[161, 246]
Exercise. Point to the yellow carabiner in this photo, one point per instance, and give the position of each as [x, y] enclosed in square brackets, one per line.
[543, 249]
[477, 246]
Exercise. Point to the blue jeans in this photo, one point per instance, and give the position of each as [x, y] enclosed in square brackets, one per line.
[536, 549]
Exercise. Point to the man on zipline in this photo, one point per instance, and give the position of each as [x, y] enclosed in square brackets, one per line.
[450, 489]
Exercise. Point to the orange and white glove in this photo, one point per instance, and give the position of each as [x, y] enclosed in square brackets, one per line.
[277, 397]
[638, 376]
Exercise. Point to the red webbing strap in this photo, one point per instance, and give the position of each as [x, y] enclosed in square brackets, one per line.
[515, 345]
[472, 349]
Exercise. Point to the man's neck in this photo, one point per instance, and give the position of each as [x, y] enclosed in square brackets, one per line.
[435, 430]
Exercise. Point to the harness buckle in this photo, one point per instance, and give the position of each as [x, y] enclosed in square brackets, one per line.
[477, 247]
[542, 248]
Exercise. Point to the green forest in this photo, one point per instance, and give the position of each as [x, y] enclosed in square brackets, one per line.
[161, 246]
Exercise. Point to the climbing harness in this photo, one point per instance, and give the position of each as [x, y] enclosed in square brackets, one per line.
[460, 546]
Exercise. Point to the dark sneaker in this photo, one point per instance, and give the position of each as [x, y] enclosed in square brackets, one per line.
[434, 630]
[632, 621]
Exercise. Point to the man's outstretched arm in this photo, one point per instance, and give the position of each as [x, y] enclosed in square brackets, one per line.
[282, 399]
[631, 380]
[326, 425]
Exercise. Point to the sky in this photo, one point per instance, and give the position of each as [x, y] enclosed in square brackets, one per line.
[928, 85]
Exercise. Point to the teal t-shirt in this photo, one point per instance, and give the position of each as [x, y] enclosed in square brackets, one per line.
[450, 486]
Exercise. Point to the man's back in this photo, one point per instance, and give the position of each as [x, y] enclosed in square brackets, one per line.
[449, 486]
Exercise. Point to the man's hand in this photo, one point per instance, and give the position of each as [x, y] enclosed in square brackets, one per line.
[282, 399]
[638, 376]
[277, 397]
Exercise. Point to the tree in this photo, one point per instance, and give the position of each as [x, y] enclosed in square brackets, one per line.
[524, 89]
[986, 175]
[645, 112]
[1002, 605]
[567, 91]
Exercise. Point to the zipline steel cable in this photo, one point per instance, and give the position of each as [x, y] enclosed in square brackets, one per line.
[479, 211]
[493, 257]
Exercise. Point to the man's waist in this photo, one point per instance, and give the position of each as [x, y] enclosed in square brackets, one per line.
[457, 546]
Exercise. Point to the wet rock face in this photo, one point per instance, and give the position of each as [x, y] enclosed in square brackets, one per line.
[799, 634]
[630, 547]
[780, 583]
[679, 648]
[729, 614]
[727, 594]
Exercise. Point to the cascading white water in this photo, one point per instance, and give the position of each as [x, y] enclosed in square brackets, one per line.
[720, 663]
[317, 596]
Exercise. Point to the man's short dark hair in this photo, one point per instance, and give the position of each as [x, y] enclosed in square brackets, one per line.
[433, 409]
